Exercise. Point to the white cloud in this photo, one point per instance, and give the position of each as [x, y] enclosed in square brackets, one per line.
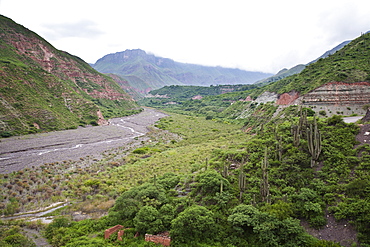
[264, 35]
[78, 29]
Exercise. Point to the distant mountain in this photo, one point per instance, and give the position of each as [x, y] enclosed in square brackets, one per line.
[332, 51]
[146, 72]
[298, 68]
[44, 89]
[282, 74]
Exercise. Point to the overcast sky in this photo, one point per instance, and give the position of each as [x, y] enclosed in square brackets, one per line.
[258, 35]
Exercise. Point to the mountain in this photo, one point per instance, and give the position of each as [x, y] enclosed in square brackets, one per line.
[282, 74]
[350, 64]
[298, 68]
[332, 51]
[146, 72]
[336, 84]
[44, 89]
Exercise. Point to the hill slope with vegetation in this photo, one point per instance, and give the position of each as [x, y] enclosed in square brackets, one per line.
[349, 64]
[44, 89]
[220, 186]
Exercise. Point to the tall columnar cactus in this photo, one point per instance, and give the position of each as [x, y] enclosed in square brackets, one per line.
[314, 142]
[225, 172]
[302, 123]
[279, 148]
[242, 182]
[222, 186]
[296, 135]
[265, 187]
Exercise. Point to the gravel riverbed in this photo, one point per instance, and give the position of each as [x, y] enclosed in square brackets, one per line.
[29, 151]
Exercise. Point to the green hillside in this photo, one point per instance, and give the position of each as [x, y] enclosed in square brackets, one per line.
[349, 64]
[44, 89]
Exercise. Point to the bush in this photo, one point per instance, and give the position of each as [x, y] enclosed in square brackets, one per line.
[6, 134]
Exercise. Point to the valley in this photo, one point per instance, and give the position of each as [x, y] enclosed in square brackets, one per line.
[285, 162]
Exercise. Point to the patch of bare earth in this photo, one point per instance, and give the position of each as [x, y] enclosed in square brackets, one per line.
[337, 231]
[364, 134]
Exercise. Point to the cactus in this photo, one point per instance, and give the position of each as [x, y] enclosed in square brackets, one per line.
[225, 171]
[314, 142]
[279, 148]
[296, 135]
[222, 186]
[298, 130]
[302, 120]
[155, 181]
[242, 182]
[254, 200]
[265, 187]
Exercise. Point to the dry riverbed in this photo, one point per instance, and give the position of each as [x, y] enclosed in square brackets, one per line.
[30, 151]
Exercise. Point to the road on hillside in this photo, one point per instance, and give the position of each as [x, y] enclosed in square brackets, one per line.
[20, 152]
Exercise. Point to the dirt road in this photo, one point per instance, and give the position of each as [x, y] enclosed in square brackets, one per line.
[20, 152]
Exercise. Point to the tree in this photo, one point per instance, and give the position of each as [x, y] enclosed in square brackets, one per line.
[210, 182]
[167, 214]
[242, 218]
[268, 229]
[195, 224]
[147, 220]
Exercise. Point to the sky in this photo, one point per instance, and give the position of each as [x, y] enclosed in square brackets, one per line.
[259, 35]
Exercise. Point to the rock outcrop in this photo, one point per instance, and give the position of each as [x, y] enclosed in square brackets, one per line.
[339, 93]
[287, 98]
[63, 65]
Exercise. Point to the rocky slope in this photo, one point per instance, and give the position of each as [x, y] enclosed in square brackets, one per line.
[332, 98]
[337, 84]
[42, 88]
[146, 72]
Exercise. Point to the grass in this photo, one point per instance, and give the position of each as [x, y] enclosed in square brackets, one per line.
[181, 148]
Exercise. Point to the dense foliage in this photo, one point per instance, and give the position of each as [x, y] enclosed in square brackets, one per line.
[12, 236]
[252, 191]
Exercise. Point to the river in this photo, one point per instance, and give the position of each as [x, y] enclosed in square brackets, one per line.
[27, 151]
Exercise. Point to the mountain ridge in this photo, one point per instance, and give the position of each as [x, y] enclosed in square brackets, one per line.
[146, 72]
[283, 73]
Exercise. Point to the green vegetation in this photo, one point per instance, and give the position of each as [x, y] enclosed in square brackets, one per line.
[218, 186]
[224, 172]
[349, 64]
[64, 93]
[12, 236]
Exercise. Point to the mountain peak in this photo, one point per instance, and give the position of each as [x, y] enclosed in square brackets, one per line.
[146, 72]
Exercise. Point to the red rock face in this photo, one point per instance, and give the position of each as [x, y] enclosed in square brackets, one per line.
[287, 98]
[59, 64]
[339, 93]
[249, 98]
